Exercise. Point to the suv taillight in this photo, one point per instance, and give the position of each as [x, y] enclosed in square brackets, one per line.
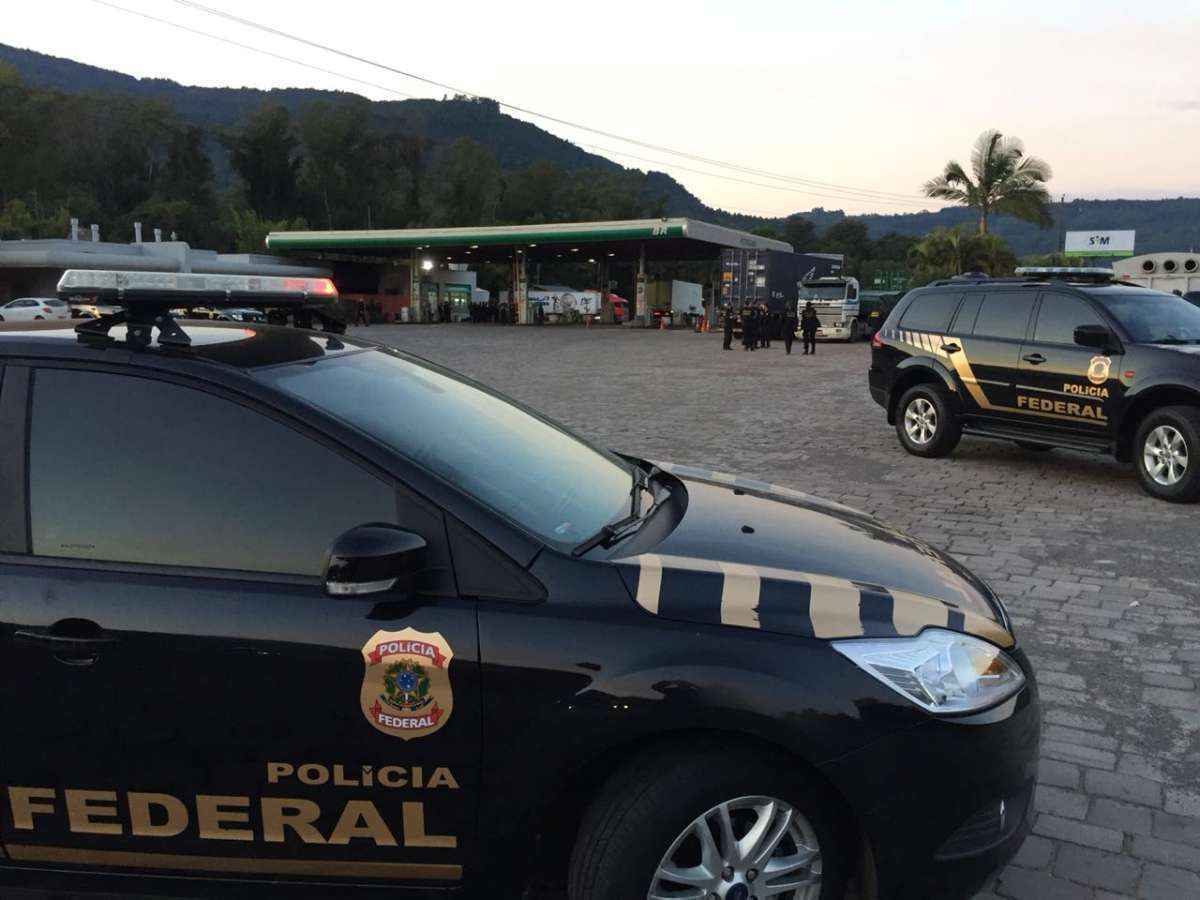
[877, 341]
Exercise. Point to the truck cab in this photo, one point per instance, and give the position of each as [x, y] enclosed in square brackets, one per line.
[835, 299]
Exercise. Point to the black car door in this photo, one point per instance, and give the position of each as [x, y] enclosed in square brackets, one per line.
[182, 694]
[985, 348]
[1063, 384]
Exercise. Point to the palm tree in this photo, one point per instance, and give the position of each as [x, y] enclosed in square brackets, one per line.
[1006, 181]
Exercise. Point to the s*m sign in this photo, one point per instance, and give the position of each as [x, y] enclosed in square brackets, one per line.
[1099, 243]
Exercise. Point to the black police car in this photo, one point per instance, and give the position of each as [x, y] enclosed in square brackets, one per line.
[1057, 357]
[324, 615]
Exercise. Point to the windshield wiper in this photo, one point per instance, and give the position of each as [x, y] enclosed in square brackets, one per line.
[610, 532]
[606, 535]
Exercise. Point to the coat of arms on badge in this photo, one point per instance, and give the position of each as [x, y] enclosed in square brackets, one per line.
[406, 687]
[1097, 372]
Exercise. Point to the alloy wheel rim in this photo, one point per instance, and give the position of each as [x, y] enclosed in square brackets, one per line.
[750, 848]
[1165, 455]
[920, 421]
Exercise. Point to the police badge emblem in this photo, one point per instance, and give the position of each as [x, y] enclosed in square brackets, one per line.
[406, 688]
[1097, 372]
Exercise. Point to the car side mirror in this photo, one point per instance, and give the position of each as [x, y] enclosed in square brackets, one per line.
[1097, 336]
[374, 558]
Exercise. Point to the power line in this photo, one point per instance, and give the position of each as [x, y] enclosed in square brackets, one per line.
[863, 193]
[774, 187]
[231, 42]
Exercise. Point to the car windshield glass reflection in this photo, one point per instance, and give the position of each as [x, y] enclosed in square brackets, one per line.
[1154, 317]
[546, 480]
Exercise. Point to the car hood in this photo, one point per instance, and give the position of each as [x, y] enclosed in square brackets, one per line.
[751, 554]
[1187, 349]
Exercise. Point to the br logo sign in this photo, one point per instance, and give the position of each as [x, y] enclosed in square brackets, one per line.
[406, 686]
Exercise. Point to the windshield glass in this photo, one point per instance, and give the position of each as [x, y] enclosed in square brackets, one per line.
[542, 478]
[823, 292]
[1152, 317]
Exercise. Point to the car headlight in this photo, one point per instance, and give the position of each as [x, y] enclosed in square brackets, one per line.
[943, 672]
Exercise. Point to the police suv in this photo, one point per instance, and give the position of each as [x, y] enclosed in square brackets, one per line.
[323, 615]
[1056, 357]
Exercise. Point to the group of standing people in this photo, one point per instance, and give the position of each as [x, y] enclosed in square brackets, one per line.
[760, 326]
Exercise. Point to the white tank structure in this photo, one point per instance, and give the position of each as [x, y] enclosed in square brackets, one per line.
[1168, 271]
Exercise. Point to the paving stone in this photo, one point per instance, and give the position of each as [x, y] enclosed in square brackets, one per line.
[1059, 802]
[1097, 868]
[1120, 816]
[1169, 853]
[1088, 756]
[1035, 853]
[1079, 833]
[1181, 829]
[1167, 883]
[1059, 774]
[1124, 787]
[1025, 884]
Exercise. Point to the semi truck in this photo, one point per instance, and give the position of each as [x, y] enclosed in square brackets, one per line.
[835, 299]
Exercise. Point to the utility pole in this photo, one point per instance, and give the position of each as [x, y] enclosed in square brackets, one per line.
[1062, 228]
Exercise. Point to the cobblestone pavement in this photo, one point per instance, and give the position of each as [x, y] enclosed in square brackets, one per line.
[1101, 580]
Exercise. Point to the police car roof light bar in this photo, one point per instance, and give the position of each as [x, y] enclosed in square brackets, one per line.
[147, 298]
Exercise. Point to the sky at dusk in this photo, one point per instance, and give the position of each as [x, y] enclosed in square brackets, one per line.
[868, 99]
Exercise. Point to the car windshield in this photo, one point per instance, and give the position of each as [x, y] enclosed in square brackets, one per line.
[823, 292]
[539, 476]
[1152, 317]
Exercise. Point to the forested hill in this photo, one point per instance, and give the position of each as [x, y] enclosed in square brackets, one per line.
[516, 145]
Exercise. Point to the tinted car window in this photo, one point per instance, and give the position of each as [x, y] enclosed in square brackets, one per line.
[930, 312]
[1059, 316]
[964, 320]
[548, 481]
[1152, 317]
[169, 475]
[1004, 315]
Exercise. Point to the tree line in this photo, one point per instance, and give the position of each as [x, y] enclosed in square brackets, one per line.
[114, 160]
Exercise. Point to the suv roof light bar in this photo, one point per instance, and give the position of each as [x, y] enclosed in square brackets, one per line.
[147, 298]
[1067, 273]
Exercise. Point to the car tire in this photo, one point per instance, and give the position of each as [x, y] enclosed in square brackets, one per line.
[1034, 447]
[935, 432]
[1166, 453]
[648, 808]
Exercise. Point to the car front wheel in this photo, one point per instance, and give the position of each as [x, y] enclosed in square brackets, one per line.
[924, 422]
[708, 825]
[1167, 453]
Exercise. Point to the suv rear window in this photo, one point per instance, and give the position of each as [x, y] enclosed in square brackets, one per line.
[1005, 315]
[930, 312]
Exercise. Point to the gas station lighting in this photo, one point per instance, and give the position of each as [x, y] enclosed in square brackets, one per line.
[427, 264]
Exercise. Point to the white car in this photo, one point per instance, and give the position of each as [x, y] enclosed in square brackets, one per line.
[27, 309]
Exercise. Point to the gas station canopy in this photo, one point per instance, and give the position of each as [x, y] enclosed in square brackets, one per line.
[674, 239]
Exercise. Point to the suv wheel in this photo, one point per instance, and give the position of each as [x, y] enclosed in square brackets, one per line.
[924, 423]
[709, 825]
[1167, 453]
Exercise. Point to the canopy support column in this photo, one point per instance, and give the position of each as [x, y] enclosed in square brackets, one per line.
[643, 308]
[415, 301]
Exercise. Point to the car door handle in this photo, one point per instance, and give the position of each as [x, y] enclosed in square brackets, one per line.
[1035, 358]
[951, 347]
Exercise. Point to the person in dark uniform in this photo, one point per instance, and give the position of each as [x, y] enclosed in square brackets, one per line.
[728, 329]
[764, 332]
[789, 331]
[748, 336]
[808, 328]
